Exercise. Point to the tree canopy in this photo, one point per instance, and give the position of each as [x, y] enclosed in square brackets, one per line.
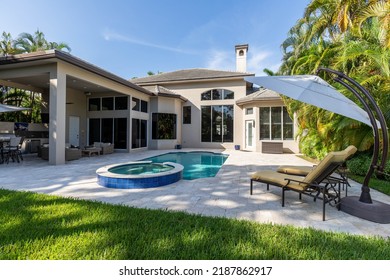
[351, 36]
[24, 43]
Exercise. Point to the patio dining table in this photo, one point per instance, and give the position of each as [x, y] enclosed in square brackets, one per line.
[3, 142]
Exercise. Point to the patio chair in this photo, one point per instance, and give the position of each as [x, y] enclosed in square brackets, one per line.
[304, 170]
[13, 150]
[318, 183]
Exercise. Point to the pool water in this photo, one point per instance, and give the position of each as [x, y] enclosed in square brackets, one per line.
[196, 164]
[141, 168]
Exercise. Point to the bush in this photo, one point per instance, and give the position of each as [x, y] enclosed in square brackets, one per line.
[359, 164]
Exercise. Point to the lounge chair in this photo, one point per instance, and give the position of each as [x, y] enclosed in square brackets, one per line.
[304, 170]
[318, 183]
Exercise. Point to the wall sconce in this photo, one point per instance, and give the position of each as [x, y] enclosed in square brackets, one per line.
[87, 93]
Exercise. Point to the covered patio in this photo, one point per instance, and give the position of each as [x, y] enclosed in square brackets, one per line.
[226, 195]
[66, 82]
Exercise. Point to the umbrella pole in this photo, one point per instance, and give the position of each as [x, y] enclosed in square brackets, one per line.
[377, 211]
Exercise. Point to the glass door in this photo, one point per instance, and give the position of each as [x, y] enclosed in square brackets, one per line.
[249, 134]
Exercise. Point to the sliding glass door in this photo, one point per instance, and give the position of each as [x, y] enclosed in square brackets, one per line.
[108, 130]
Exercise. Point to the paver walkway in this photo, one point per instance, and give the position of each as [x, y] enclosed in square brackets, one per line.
[225, 195]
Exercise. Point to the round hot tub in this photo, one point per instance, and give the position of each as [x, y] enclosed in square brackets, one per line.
[140, 174]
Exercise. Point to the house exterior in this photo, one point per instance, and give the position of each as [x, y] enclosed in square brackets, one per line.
[221, 110]
[193, 108]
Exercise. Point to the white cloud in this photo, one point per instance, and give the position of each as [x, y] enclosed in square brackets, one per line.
[257, 60]
[221, 60]
[113, 36]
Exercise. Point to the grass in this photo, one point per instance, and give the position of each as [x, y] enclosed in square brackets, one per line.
[37, 226]
[379, 185]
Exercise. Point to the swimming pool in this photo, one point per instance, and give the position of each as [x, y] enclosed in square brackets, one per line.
[196, 164]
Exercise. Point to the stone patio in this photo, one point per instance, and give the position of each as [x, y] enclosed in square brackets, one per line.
[225, 195]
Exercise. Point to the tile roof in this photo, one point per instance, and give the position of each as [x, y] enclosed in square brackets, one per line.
[188, 75]
[165, 92]
[260, 94]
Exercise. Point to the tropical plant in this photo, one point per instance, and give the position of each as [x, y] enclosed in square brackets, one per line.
[25, 43]
[350, 36]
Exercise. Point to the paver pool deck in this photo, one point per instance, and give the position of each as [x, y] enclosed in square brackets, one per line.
[226, 194]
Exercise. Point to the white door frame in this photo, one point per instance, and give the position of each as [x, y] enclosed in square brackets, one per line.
[74, 130]
[250, 135]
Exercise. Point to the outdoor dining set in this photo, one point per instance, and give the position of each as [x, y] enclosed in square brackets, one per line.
[10, 149]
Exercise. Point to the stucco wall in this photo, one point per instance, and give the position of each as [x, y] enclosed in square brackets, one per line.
[288, 145]
[171, 106]
[191, 133]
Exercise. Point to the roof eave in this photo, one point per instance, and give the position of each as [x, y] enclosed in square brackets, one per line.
[181, 81]
[56, 54]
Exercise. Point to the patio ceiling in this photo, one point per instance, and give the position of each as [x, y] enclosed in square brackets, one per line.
[40, 83]
[39, 80]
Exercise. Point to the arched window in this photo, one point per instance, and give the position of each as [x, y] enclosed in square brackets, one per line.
[217, 94]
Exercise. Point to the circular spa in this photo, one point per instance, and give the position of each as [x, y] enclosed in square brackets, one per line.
[140, 174]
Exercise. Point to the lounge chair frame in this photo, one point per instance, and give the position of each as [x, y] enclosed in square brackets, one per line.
[323, 186]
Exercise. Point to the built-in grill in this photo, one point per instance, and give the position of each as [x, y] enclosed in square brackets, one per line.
[32, 140]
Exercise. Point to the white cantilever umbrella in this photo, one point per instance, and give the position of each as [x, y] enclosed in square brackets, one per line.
[7, 108]
[313, 90]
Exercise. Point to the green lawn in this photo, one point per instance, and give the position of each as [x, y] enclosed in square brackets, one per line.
[379, 185]
[36, 226]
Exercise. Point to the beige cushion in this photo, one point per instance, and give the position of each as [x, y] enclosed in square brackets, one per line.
[278, 179]
[295, 170]
[331, 158]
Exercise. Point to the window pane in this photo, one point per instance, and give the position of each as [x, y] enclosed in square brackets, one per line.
[228, 94]
[206, 95]
[107, 130]
[135, 134]
[120, 135]
[216, 129]
[121, 103]
[186, 114]
[264, 123]
[288, 133]
[216, 94]
[276, 123]
[94, 104]
[206, 123]
[144, 106]
[144, 133]
[139, 133]
[249, 111]
[163, 126]
[94, 131]
[107, 103]
[228, 123]
[136, 104]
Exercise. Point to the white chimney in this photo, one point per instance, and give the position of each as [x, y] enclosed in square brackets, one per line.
[241, 51]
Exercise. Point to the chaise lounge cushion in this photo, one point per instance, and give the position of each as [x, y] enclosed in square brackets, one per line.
[278, 179]
[295, 170]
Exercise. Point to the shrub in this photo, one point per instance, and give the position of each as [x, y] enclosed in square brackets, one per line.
[359, 164]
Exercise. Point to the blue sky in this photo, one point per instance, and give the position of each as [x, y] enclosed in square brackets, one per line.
[130, 38]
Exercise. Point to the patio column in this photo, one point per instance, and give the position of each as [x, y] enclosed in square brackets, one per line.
[57, 112]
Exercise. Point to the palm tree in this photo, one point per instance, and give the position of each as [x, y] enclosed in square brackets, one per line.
[27, 43]
[350, 36]
[381, 11]
[7, 45]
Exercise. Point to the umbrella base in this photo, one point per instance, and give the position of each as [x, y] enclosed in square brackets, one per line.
[376, 211]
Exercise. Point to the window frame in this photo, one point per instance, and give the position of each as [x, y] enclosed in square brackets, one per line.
[270, 126]
[209, 95]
